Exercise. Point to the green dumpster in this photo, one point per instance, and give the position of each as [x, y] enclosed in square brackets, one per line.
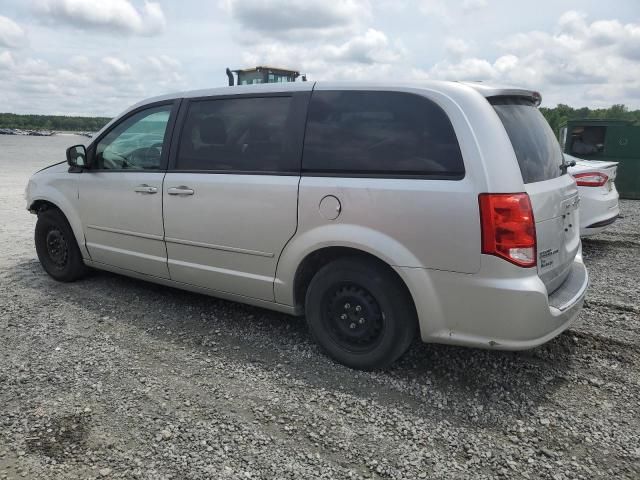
[612, 140]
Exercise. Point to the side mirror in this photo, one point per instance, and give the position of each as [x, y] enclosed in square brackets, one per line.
[77, 156]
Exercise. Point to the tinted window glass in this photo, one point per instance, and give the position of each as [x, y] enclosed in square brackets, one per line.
[136, 143]
[243, 134]
[537, 149]
[379, 133]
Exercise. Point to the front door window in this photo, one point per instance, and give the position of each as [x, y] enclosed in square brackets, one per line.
[136, 143]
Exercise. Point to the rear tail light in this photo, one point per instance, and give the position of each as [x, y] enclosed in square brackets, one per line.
[591, 179]
[508, 227]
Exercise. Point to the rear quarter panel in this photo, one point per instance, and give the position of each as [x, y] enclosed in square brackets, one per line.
[406, 222]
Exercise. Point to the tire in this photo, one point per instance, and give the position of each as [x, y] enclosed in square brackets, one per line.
[360, 313]
[57, 248]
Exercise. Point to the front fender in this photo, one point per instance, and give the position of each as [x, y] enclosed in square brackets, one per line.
[61, 190]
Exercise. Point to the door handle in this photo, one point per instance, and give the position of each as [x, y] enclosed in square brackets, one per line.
[144, 188]
[181, 190]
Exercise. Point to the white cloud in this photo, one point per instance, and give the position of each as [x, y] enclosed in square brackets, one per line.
[596, 60]
[116, 67]
[302, 19]
[367, 55]
[473, 4]
[118, 15]
[321, 39]
[447, 11]
[81, 84]
[437, 8]
[6, 61]
[81, 62]
[568, 61]
[456, 47]
[573, 22]
[11, 34]
[167, 69]
[163, 63]
[465, 69]
[371, 47]
[102, 62]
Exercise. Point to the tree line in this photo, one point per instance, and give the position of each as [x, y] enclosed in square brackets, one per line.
[561, 113]
[52, 122]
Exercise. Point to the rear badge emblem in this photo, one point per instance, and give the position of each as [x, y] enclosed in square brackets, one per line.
[545, 257]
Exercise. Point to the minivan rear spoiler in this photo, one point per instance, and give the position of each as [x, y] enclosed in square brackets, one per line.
[489, 91]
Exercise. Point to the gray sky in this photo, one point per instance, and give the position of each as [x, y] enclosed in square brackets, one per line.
[96, 57]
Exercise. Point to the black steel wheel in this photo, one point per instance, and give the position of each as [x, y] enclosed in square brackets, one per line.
[56, 247]
[353, 317]
[360, 313]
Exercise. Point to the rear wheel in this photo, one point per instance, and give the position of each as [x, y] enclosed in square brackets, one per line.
[360, 313]
[57, 248]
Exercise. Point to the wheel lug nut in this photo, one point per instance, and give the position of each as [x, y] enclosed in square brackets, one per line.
[361, 321]
[358, 308]
[352, 325]
[347, 306]
[343, 316]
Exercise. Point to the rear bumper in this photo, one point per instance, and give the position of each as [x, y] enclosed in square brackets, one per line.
[501, 313]
[602, 223]
[572, 290]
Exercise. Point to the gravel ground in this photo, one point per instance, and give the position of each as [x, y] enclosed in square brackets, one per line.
[111, 377]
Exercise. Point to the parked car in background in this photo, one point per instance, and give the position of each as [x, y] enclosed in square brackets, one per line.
[598, 195]
[379, 212]
[607, 140]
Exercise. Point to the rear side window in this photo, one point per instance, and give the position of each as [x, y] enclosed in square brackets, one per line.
[536, 148]
[238, 135]
[379, 133]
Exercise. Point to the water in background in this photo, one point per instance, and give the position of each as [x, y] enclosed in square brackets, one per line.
[21, 155]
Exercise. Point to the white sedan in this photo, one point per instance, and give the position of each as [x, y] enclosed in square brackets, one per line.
[598, 195]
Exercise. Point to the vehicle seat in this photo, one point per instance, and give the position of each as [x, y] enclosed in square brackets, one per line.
[205, 147]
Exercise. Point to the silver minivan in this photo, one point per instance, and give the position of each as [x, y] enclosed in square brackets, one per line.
[380, 212]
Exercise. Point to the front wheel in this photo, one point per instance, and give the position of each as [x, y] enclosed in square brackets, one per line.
[57, 248]
[360, 313]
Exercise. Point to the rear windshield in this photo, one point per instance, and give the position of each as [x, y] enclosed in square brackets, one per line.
[536, 148]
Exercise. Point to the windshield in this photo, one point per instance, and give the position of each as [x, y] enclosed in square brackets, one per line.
[534, 143]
